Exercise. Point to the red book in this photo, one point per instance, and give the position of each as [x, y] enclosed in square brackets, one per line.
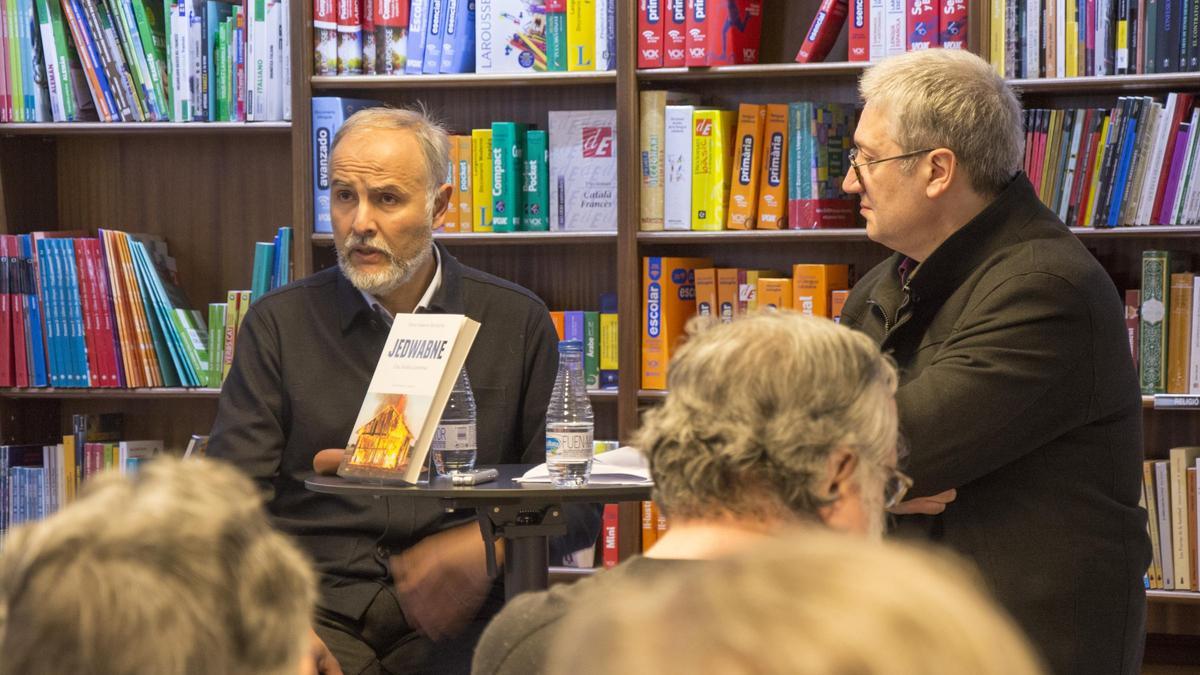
[859, 35]
[1098, 120]
[697, 32]
[609, 525]
[101, 313]
[11, 250]
[674, 34]
[921, 23]
[650, 34]
[823, 32]
[952, 24]
[735, 28]
[1133, 302]
[87, 313]
[6, 323]
[108, 323]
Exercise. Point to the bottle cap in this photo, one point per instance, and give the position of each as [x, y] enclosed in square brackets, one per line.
[570, 346]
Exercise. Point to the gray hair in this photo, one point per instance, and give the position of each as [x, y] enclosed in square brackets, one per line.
[811, 602]
[951, 98]
[430, 135]
[172, 570]
[755, 409]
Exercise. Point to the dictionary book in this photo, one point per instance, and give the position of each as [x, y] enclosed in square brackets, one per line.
[412, 381]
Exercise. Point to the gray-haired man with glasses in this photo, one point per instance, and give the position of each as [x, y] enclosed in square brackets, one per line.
[1016, 382]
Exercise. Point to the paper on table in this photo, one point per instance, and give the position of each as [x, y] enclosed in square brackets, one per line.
[623, 466]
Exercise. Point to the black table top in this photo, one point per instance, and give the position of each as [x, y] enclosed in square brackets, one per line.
[503, 490]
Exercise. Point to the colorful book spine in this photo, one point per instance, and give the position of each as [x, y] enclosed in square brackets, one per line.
[609, 350]
[391, 35]
[556, 35]
[508, 149]
[535, 181]
[675, 34]
[677, 161]
[825, 28]
[418, 31]
[510, 36]
[952, 24]
[697, 32]
[858, 42]
[650, 34]
[481, 180]
[1157, 267]
[773, 178]
[712, 159]
[458, 43]
[464, 192]
[668, 301]
[775, 292]
[450, 218]
[329, 113]
[743, 198]
[813, 285]
[349, 42]
[216, 343]
[432, 61]
[591, 349]
[581, 35]
[583, 170]
[922, 25]
[733, 33]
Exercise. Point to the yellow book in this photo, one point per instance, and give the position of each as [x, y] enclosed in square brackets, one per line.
[581, 35]
[1086, 218]
[743, 196]
[712, 163]
[996, 37]
[608, 341]
[481, 180]
[462, 190]
[1072, 33]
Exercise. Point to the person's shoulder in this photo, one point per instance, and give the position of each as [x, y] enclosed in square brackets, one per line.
[478, 283]
[300, 291]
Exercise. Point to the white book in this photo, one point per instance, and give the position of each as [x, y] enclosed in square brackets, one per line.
[1194, 342]
[1060, 35]
[1181, 459]
[583, 170]
[507, 35]
[1187, 170]
[602, 29]
[275, 67]
[677, 153]
[56, 80]
[1192, 210]
[895, 42]
[1163, 494]
[285, 50]
[196, 59]
[1147, 132]
[1155, 166]
[408, 392]
[876, 32]
[181, 65]
[1033, 35]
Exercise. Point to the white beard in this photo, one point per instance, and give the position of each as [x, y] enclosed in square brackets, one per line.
[386, 281]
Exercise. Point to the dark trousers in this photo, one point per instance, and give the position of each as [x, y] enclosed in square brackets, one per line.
[382, 642]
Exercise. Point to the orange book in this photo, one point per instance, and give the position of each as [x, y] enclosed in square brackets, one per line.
[812, 285]
[462, 189]
[450, 223]
[837, 300]
[706, 291]
[661, 520]
[130, 356]
[775, 293]
[1179, 332]
[748, 287]
[668, 301]
[772, 181]
[557, 319]
[743, 196]
[145, 340]
[649, 525]
[728, 303]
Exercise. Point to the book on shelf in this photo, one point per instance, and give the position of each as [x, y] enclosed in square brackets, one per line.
[1169, 495]
[583, 170]
[413, 378]
[329, 113]
[668, 301]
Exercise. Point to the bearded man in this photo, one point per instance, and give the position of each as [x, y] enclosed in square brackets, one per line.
[403, 585]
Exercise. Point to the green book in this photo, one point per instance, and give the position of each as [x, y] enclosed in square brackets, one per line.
[508, 147]
[216, 342]
[1157, 267]
[535, 187]
[556, 38]
[220, 68]
[264, 260]
[591, 349]
[151, 31]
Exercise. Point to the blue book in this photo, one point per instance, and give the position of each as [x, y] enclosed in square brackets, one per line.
[329, 113]
[77, 343]
[273, 281]
[458, 40]
[283, 257]
[33, 314]
[433, 41]
[46, 279]
[90, 34]
[574, 326]
[172, 361]
[260, 281]
[418, 32]
[1120, 182]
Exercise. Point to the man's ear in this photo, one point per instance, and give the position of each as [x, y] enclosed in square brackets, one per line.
[441, 203]
[942, 171]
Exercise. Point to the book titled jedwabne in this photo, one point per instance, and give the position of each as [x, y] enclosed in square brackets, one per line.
[404, 402]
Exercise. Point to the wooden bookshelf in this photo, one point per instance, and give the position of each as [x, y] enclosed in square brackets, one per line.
[1173, 597]
[463, 81]
[135, 128]
[175, 393]
[764, 71]
[503, 238]
[1109, 84]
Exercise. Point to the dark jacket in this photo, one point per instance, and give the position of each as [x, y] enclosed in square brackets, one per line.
[305, 356]
[1018, 389]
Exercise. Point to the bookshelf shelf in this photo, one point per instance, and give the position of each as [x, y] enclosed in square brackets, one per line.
[1173, 597]
[505, 238]
[651, 394]
[1109, 84]
[139, 128]
[602, 394]
[567, 575]
[1181, 231]
[462, 81]
[114, 394]
[751, 236]
[754, 72]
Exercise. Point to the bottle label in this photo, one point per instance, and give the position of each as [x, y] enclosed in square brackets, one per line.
[569, 444]
[453, 437]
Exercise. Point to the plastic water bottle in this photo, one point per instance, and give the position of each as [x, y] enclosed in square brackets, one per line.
[569, 421]
[453, 446]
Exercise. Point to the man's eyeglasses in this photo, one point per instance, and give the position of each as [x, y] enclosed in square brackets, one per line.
[895, 486]
[858, 165]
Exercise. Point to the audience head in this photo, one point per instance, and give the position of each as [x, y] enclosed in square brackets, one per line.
[171, 570]
[813, 603]
[388, 192]
[775, 417]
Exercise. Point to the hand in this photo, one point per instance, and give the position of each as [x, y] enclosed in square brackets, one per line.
[928, 506]
[323, 660]
[326, 462]
[442, 581]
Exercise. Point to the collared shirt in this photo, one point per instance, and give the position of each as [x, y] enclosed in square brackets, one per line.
[304, 357]
[423, 304]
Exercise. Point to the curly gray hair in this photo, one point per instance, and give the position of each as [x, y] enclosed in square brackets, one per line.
[755, 409]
